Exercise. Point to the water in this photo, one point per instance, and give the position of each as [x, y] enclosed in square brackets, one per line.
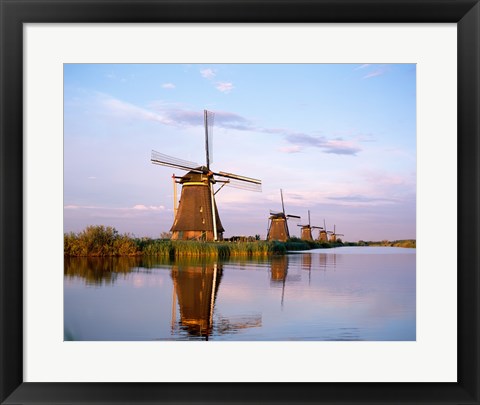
[350, 293]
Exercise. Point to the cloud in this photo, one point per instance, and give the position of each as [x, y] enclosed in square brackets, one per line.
[340, 147]
[222, 119]
[175, 116]
[143, 207]
[337, 146]
[224, 87]
[379, 71]
[365, 65]
[290, 149]
[137, 207]
[168, 86]
[130, 111]
[362, 199]
[208, 73]
[375, 73]
[77, 207]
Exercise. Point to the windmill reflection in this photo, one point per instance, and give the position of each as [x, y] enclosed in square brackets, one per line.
[279, 270]
[195, 287]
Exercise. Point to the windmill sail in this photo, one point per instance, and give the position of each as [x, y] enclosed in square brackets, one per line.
[209, 118]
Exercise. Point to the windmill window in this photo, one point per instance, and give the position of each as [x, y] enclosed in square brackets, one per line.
[203, 220]
[201, 209]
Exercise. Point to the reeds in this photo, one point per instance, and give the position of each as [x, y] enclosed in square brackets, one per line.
[211, 249]
[103, 241]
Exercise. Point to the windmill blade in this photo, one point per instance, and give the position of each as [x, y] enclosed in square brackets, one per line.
[243, 185]
[309, 217]
[339, 234]
[293, 216]
[316, 227]
[208, 117]
[283, 206]
[170, 161]
[275, 213]
[237, 177]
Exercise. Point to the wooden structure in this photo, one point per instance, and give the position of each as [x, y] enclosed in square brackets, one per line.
[278, 227]
[197, 216]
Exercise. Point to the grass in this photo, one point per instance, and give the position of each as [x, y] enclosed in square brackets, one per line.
[100, 241]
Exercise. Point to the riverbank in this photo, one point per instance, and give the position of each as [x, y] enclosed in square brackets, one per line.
[101, 241]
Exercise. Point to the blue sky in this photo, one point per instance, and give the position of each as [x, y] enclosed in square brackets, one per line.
[340, 140]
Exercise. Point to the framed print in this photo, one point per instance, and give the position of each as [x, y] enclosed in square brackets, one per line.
[52, 52]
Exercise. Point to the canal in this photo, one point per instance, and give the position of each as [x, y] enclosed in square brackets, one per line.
[341, 294]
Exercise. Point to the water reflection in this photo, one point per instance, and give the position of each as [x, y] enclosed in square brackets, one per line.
[303, 296]
[98, 271]
[196, 287]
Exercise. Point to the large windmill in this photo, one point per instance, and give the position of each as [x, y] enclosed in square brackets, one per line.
[197, 216]
[333, 236]
[307, 229]
[278, 227]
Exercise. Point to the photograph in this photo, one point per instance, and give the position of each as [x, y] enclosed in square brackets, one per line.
[239, 202]
[240, 186]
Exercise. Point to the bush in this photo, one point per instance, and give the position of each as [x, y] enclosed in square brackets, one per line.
[98, 240]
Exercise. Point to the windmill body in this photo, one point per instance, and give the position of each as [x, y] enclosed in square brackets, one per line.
[322, 237]
[278, 229]
[278, 226]
[306, 233]
[194, 217]
[197, 216]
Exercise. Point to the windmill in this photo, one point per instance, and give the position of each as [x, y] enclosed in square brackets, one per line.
[333, 236]
[278, 227]
[307, 229]
[197, 216]
[323, 235]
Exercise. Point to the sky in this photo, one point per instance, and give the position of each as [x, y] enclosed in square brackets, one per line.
[339, 140]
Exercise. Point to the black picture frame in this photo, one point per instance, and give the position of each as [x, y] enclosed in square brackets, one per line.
[14, 13]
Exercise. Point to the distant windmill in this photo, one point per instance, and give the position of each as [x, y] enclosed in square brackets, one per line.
[197, 216]
[333, 236]
[307, 229]
[278, 227]
[323, 235]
